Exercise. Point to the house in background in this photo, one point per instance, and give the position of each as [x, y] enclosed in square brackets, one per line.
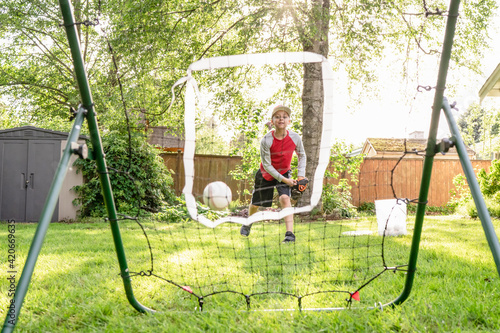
[492, 85]
[491, 88]
[165, 138]
[394, 148]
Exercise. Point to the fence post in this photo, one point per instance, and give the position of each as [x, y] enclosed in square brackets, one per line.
[177, 174]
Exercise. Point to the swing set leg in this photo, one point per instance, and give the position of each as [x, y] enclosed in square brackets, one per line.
[85, 112]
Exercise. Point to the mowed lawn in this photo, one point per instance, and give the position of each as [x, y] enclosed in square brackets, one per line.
[76, 287]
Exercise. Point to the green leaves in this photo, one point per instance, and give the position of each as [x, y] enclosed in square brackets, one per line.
[147, 45]
[490, 182]
[480, 127]
[139, 179]
[342, 172]
[153, 43]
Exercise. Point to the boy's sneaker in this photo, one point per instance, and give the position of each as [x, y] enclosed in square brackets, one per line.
[289, 237]
[245, 230]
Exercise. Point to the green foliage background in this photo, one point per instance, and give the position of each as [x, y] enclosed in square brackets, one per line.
[336, 196]
[154, 42]
[489, 184]
[140, 182]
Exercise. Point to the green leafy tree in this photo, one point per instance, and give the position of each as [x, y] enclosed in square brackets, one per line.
[153, 43]
[209, 139]
[479, 127]
[35, 64]
[478, 123]
[354, 33]
[5, 120]
[343, 171]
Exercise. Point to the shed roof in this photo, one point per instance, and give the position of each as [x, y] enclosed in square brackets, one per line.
[395, 145]
[32, 132]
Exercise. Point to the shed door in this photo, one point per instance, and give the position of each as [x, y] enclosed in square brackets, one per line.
[43, 159]
[27, 170]
[14, 155]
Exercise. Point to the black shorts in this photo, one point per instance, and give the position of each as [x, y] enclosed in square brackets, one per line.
[263, 191]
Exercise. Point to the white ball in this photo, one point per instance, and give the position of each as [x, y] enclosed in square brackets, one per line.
[217, 195]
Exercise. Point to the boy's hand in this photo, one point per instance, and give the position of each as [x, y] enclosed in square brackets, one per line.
[289, 182]
[299, 187]
[301, 184]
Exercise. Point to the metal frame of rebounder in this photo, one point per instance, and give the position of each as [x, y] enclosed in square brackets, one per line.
[441, 103]
[86, 111]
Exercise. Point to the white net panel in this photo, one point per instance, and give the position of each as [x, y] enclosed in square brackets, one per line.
[190, 126]
[331, 263]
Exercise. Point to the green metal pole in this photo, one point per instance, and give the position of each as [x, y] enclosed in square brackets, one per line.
[43, 224]
[431, 144]
[482, 211]
[81, 76]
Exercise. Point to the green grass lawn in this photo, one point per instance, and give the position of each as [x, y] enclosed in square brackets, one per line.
[76, 285]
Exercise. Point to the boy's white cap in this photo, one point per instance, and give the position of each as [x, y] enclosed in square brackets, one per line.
[282, 108]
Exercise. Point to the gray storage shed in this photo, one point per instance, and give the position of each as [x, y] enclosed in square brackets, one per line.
[29, 157]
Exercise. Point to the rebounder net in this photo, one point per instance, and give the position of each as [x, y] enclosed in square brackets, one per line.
[204, 262]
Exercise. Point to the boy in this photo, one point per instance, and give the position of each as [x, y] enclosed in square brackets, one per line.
[276, 151]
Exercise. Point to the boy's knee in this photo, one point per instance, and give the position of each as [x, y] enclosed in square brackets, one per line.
[285, 200]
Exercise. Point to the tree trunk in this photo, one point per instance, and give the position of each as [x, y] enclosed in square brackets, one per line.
[312, 96]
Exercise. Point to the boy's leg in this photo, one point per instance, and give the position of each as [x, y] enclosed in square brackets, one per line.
[285, 203]
[262, 196]
[284, 197]
[245, 229]
[252, 209]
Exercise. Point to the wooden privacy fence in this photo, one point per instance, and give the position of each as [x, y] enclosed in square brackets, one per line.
[207, 169]
[374, 177]
[376, 173]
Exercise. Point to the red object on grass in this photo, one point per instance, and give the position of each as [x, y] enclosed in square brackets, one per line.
[355, 296]
[188, 289]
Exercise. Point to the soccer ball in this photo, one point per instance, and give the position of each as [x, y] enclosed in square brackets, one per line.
[217, 195]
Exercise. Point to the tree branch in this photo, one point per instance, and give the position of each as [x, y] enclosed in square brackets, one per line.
[56, 42]
[30, 84]
[193, 9]
[46, 51]
[410, 28]
[224, 32]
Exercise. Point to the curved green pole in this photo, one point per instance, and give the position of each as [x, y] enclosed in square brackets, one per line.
[430, 151]
[81, 76]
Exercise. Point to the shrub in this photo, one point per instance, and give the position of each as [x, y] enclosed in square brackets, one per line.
[337, 199]
[490, 183]
[490, 188]
[461, 195]
[432, 210]
[469, 208]
[493, 206]
[139, 181]
[367, 208]
[336, 196]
